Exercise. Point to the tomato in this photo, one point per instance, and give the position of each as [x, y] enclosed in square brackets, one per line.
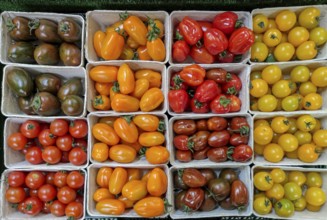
[103, 88]
[122, 153]
[312, 101]
[276, 192]
[313, 179]
[258, 149]
[262, 205]
[133, 174]
[285, 20]
[101, 102]
[317, 127]
[147, 122]
[201, 55]
[284, 208]
[263, 135]
[306, 123]
[142, 53]
[60, 179]
[34, 179]
[16, 178]
[77, 156]
[306, 51]
[300, 73]
[15, 194]
[103, 176]
[141, 86]
[259, 52]
[308, 153]
[226, 22]
[288, 142]
[100, 152]
[156, 47]
[260, 122]
[239, 194]
[75, 179]
[271, 74]
[177, 83]
[126, 80]
[280, 124]
[183, 156]
[125, 103]
[225, 57]
[284, 52]
[205, 25]
[157, 182]
[318, 77]
[30, 128]
[319, 138]
[300, 204]
[260, 23]
[110, 207]
[78, 128]
[117, 180]
[33, 206]
[112, 45]
[51, 155]
[281, 89]
[215, 41]
[34, 155]
[66, 195]
[135, 190]
[59, 127]
[290, 103]
[151, 99]
[49, 178]
[238, 125]
[47, 193]
[237, 139]
[318, 35]
[297, 177]
[242, 153]
[207, 91]
[272, 37]
[102, 193]
[149, 139]
[65, 142]
[180, 51]
[221, 104]
[126, 129]
[152, 76]
[278, 175]
[241, 40]
[273, 153]
[190, 30]
[303, 137]
[258, 88]
[157, 155]
[258, 38]
[298, 35]
[263, 181]
[292, 191]
[74, 210]
[17, 141]
[97, 41]
[315, 196]
[309, 17]
[104, 74]
[178, 100]
[105, 134]
[307, 88]
[267, 103]
[233, 84]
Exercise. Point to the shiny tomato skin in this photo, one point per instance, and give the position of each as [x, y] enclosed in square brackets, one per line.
[220, 105]
[226, 22]
[74, 210]
[78, 128]
[242, 153]
[215, 41]
[34, 155]
[201, 55]
[47, 193]
[34, 179]
[30, 128]
[190, 30]
[178, 100]
[66, 195]
[57, 208]
[16, 178]
[77, 156]
[199, 107]
[33, 206]
[17, 141]
[51, 155]
[60, 179]
[180, 51]
[59, 127]
[46, 138]
[65, 142]
[75, 179]
[15, 194]
[241, 41]
[207, 91]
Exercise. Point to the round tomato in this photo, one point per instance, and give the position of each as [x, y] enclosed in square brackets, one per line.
[290, 103]
[77, 156]
[15, 194]
[306, 123]
[59, 127]
[284, 208]
[17, 141]
[292, 191]
[34, 179]
[60, 179]
[66, 195]
[312, 101]
[288, 142]
[263, 135]
[308, 153]
[16, 178]
[271, 74]
[303, 137]
[258, 37]
[267, 103]
[262, 205]
[300, 204]
[51, 155]
[281, 89]
[33, 206]
[258, 88]
[47, 193]
[57, 208]
[319, 77]
[315, 196]
[284, 52]
[260, 23]
[307, 88]
[320, 138]
[280, 124]
[309, 17]
[46, 138]
[74, 210]
[75, 179]
[306, 51]
[297, 36]
[258, 149]
[263, 181]
[276, 192]
[285, 20]
[300, 74]
[30, 128]
[272, 37]
[78, 128]
[278, 175]
[273, 153]
[318, 35]
[313, 179]
[260, 122]
[259, 52]
[65, 142]
[255, 75]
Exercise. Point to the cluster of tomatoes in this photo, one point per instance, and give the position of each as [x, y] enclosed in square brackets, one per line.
[300, 138]
[287, 192]
[287, 36]
[121, 189]
[220, 40]
[199, 90]
[131, 38]
[122, 90]
[202, 190]
[209, 138]
[59, 193]
[271, 91]
[59, 141]
[122, 139]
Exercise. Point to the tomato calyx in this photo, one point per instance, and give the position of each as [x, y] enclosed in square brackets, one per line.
[197, 104]
[98, 101]
[270, 58]
[115, 88]
[167, 205]
[123, 16]
[128, 118]
[307, 104]
[232, 91]
[238, 24]
[224, 101]
[142, 151]
[191, 92]
[261, 24]
[71, 218]
[229, 77]
[30, 127]
[161, 126]
[177, 82]
[267, 202]
[155, 31]
[10, 25]
[33, 25]
[28, 207]
[268, 179]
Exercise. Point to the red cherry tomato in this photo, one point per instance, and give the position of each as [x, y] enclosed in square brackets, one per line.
[226, 22]
[225, 57]
[51, 155]
[59, 127]
[178, 100]
[193, 75]
[49, 178]
[77, 156]
[30, 128]
[65, 142]
[33, 206]
[190, 30]
[16, 178]
[201, 55]
[47, 193]
[199, 107]
[15, 194]
[235, 103]
[78, 128]
[57, 208]
[177, 83]
[74, 210]
[233, 84]
[66, 195]
[180, 51]
[34, 179]
[242, 153]
[241, 40]
[46, 138]
[60, 179]
[220, 105]
[34, 155]
[215, 41]
[207, 91]
[17, 141]
[75, 179]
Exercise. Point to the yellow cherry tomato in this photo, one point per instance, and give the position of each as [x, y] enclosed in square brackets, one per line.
[254, 104]
[272, 37]
[273, 153]
[255, 75]
[135, 190]
[292, 191]
[285, 20]
[320, 138]
[278, 175]
[259, 52]
[258, 87]
[275, 138]
[263, 135]
[263, 181]
[281, 89]
[312, 101]
[258, 149]
[291, 155]
[313, 179]
[297, 36]
[276, 192]
[292, 129]
[306, 51]
[260, 122]
[284, 38]
[315, 196]
[307, 88]
[258, 37]
[318, 35]
[271, 74]
[280, 124]
[122, 153]
[317, 127]
[267, 103]
[260, 23]
[290, 103]
[306, 123]
[297, 177]
[258, 195]
[262, 205]
[271, 23]
[300, 74]
[313, 208]
[157, 155]
[309, 17]
[303, 137]
[300, 204]
[284, 52]
[308, 153]
[288, 142]
[319, 77]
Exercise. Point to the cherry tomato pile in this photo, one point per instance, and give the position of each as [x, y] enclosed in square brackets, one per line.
[59, 193]
[300, 138]
[131, 38]
[59, 141]
[287, 191]
[202, 190]
[216, 138]
[56, 43]
[121, 189]
[220, 40]
[287, 36]
[271, 91]
[122, 90]
[197, 90]
[122, 139]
